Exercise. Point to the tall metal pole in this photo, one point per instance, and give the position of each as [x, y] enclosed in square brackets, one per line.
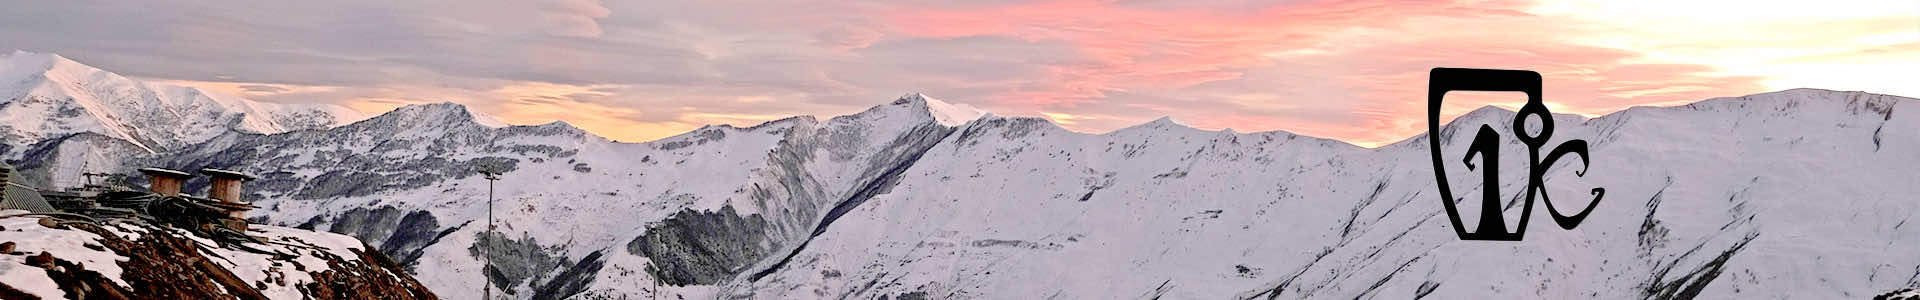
[486, 250]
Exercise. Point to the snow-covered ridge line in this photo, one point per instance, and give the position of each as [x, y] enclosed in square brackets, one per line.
[1708, 199]
[48, 96]
[957, 115]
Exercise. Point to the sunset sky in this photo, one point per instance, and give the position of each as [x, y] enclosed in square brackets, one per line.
[642, 70]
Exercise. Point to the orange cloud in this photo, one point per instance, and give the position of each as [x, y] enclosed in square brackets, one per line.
[1138, 48]
[1372, 55]
[1350, 70]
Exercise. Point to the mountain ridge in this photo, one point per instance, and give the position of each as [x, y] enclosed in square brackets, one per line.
[892, 201]
[51, 96]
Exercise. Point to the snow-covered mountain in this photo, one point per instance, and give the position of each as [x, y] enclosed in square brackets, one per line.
[1799, 194]
[571, 204]
[47, 96]
[1731, 196]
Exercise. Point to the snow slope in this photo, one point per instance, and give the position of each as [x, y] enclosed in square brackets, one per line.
[889, 202]
[948, 114]
[1731, 196]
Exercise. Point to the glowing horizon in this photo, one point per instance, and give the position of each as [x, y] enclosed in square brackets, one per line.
[1347, 70]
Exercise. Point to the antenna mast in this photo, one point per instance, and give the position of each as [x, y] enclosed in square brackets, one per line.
[486, 251]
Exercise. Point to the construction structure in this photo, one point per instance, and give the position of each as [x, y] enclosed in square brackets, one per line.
[221, 213]
[226, 193]
[165, 182]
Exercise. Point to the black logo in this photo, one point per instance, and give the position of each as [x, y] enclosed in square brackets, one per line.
[1486, 146]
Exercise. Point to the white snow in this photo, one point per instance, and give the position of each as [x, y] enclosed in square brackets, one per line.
[1177, 212]
[949, 114]
[488, 120]
[30, 238]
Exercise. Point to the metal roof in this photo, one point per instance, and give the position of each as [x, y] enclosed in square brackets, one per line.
[23, 197]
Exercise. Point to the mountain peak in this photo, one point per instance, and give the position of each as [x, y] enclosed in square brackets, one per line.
[1485, 114]
[949, 114]
[46, 60]
[445, 115]
[427, 114]
[21, 66]
[1499, 117]
[1162, 124]
[437, 107]
[911, 97]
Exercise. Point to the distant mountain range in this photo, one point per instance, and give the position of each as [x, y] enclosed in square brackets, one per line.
[1801, 193]
[57, 107]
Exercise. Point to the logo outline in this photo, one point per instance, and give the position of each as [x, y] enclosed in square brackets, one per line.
[1485, 145]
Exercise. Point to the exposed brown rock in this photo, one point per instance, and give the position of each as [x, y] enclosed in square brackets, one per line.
[80, 283]
[43, 260]
[350, 281]
[163, 265]
[7, 292]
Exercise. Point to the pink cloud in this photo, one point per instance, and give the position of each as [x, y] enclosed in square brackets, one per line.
[845, 38]
[1351, 70]
[1375, 54]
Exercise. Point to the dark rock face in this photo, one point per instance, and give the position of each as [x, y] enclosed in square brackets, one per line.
[412, 235]
[915, 295]
[343, 183]
[513, 261]
[572, 281]
[1900, 294]
[1689, 285]
[694, 247]
[404, 234]
[697, 138]
[372, 226]
[882, 172]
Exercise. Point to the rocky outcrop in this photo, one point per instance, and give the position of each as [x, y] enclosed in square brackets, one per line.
[46, 258]
[399, 234]
[695, 247]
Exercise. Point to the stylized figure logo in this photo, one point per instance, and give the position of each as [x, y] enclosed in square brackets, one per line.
[1486, 145]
